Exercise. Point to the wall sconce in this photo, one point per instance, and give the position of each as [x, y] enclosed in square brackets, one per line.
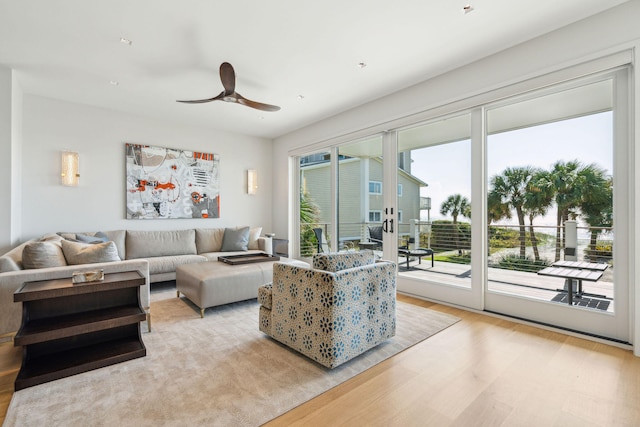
[252, 182]
[70, 169]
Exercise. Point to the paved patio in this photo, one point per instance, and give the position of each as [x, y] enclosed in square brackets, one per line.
[529, 285]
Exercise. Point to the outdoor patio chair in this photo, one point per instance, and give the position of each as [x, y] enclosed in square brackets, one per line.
[318, 233]
[375, 236]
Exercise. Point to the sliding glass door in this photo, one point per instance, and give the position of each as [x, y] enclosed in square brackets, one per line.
[434, 233]
[556, 203]
[360, 194]
[481, 207]
[316, 203]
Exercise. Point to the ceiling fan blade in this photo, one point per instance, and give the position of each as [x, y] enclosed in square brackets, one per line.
[202, 101]
[257, 105]
[228, 78]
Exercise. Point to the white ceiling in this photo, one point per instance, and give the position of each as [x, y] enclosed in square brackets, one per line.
[71, 50]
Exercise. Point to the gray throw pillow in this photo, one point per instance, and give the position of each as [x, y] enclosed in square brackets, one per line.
[88, 253]
[42, 255]
[85, 238]
[235, 240]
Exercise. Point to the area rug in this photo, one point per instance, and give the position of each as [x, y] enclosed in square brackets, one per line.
[220, 370]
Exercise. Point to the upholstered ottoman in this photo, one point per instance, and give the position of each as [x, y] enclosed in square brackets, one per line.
[208, 284]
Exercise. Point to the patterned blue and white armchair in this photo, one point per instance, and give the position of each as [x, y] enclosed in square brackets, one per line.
[332, 313]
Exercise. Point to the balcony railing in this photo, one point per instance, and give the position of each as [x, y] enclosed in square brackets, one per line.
[509, 248]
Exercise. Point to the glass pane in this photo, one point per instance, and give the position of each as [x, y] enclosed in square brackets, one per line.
[550, 196]
[360, 203]
[315, 203]
[434, 233]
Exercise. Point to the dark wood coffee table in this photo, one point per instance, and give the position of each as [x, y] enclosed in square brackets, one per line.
[68, 329]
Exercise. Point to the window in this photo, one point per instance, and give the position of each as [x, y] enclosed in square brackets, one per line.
[375, 187]
[399, 190]
[375, 216]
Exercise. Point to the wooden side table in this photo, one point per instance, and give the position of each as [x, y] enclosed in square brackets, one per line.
[68, 329]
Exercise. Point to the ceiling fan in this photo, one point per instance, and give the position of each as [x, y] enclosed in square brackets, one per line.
[229, 94]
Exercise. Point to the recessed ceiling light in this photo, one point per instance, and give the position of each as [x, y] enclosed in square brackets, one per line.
[114, 83]
[361, 64]
[125, 41]
[467, 9]
[301, 97]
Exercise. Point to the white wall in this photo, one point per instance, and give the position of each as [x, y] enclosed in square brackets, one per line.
[6, 174]
[16, 161]
[99, 135]
[5, 154]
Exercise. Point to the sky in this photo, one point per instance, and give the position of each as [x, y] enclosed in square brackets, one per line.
[447, 168]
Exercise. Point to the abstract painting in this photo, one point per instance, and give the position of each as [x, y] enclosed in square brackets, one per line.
[165, 183]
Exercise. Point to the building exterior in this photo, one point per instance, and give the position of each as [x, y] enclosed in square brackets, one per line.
[360, 196]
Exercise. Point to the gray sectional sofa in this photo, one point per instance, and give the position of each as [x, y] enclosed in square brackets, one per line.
[156, 254]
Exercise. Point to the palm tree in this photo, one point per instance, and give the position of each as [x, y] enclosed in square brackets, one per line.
[563, 182]
[309, 216]
[597, 202]
[537, 202]
[511, 189]
[456, 205]
[496, 208]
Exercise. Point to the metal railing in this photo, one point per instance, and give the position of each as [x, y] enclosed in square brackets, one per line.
[510, 247]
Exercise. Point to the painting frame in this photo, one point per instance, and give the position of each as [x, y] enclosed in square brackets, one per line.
[170, 183]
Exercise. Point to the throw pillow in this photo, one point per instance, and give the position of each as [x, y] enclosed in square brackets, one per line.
[235, 240]
[254, 233]
[42, 255]
[85, 238]
[88, 253]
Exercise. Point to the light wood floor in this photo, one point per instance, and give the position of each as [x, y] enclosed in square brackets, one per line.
[482, 371]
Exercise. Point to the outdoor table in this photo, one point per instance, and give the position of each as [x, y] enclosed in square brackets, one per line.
[575, 270]
[417, 252]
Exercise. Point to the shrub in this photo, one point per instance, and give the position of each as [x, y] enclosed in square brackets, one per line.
[517, 263]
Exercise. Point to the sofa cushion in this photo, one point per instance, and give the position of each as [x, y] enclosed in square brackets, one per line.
[89, 253]
[235, 239]
[168, 264]
[145, 244]
[209, 239]
[42, 255]
[118, 237]
[342, 260]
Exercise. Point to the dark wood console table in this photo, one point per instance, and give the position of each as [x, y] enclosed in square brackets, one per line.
[68, 329]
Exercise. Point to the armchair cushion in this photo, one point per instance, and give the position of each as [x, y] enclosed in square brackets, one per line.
[342, 260]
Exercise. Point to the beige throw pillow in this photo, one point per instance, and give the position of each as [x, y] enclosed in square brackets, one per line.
[89, 253]
[42, 255]
[254, 233]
